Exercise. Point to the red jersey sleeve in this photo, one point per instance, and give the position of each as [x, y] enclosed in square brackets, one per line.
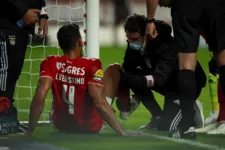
[96, 72]
[46, 68]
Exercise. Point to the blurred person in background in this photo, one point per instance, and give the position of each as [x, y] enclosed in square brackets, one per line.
[121, 11]
[17, 21]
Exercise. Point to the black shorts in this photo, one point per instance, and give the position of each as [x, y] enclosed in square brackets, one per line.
[190, 18]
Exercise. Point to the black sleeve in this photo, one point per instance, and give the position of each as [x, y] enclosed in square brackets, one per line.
[131, 61]
[164, 30]
[167, 63]
[13, 10]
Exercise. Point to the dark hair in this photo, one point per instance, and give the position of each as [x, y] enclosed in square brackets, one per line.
[68, 35]
[135, 23]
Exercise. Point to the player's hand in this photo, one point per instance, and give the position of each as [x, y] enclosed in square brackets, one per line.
[31, 16]
[28, 133]
[43, 27]
[134, 133]
[150, 32]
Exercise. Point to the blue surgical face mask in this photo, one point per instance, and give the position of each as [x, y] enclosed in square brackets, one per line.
[136, 46]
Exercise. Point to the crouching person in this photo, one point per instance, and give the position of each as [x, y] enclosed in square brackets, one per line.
[155, 68]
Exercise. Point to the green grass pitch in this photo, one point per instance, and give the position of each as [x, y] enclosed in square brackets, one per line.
[108, 141]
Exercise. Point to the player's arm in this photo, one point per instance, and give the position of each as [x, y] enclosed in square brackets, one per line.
[105, 110]
[38, 102]
[151, 6]
[97, 93]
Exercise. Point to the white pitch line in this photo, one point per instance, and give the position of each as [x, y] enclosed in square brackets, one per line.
[187, 142]
[4, 148]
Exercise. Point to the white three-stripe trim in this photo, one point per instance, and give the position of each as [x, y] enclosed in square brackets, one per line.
[175, 121]
[4, 66]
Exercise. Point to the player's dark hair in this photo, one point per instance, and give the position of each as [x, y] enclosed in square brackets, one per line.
[68, 35]
[135, 23]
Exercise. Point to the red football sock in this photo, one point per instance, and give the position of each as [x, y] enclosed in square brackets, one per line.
[221, 99]
[123, 99]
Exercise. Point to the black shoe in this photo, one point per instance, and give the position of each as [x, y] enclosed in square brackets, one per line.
[189, 134]
[152, 125]
[22, 128]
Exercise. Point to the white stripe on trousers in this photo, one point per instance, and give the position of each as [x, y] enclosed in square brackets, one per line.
[175, 121]
[4, 65]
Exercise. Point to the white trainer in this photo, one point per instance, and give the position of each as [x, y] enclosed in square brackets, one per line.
[124, 115]
[212, 117]
[207, 128]
[219, 130]
[199, 116]
[134, 105]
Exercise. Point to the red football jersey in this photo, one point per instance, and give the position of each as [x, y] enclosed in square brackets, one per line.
[72, 108]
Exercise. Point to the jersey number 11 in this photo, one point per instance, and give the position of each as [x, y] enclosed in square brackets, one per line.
[70, 99]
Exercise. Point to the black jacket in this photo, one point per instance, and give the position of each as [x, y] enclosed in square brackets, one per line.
[12, 11]
[160, 60]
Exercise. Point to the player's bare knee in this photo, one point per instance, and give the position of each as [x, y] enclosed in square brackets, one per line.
[112, 72]
[114, 66]
[220, 57]
[187, 61]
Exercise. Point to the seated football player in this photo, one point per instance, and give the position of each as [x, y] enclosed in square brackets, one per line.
[79, 102]
[155, 68]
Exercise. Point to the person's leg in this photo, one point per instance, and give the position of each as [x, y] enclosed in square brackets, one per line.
[213, 83]
[13, 47]
[221, 98]
[219, 126]
[171, 112]
[113, 88]
[148, 100]
[111, 81]
[218, 32]
[217, 44]
[186, 39]
[185, 17]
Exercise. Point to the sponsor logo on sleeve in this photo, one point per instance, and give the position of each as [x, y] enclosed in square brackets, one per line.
[99, 75]
[58, 65]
